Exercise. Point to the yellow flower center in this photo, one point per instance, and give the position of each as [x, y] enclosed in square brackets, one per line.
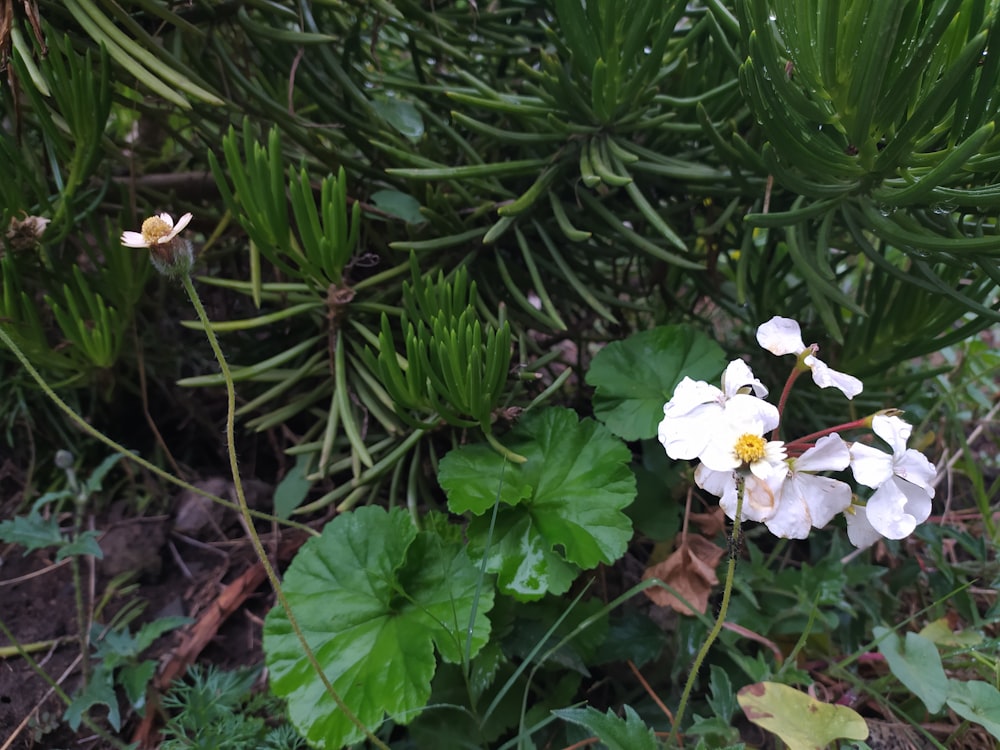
[750, 448]
[153, 229]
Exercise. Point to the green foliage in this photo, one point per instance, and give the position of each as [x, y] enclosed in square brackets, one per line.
[36, 531]
[635, 377]
[376, 598]
[561, 510]
[629, 733]
[580, 187]
[217, 710]
[880, 118]
[116, 653]
[916, 663]
[454, 370]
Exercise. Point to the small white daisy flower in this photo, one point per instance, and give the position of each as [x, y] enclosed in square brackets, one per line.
[170, 254]
[156, 230]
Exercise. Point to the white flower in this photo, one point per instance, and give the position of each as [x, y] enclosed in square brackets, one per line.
[736, 453]
[737, 438]
[783, 336]
[859, 529]
[156, 230]
[689, 415]
[901, 480]
[790, 500]
[168, 253]
[760, 496]
[808, 501]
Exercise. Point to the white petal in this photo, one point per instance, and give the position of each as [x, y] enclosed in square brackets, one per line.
[760, 497]
[823, 497]
[859, 530]
[685, 437]
[181, 223]
[870, 466]
[914, 467]
[727, 500]
[737, 376]
[889, 509]
[719, 452]
[892, 430]
[749, 414]
[918, 502]
[133, 239]
[715, 482]
[690, 394]
[166, 219]
[826, 377]
[829, 454]
[780, 336]
[773, 463]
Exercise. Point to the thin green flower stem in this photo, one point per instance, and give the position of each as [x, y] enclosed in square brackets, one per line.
[87, 428]
[91, 724]
[83, 631]
[719, 620]
[248, 520]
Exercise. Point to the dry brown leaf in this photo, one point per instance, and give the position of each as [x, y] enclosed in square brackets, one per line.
[690, 571]
[710, 524]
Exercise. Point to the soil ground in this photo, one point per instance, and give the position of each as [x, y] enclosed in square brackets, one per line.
[170, 574]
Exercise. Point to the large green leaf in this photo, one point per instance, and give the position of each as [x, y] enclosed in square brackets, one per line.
[374, 598]
[634, 378]
[560, 510]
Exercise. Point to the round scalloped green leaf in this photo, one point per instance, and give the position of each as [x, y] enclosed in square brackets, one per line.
[801, 721]
[634, 378]
[374, 598]
[561, 510]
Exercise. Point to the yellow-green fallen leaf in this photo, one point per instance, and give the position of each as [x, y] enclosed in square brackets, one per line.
[802, 722]
[942, 635]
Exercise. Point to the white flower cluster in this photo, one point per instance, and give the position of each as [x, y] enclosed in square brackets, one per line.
[781, 487]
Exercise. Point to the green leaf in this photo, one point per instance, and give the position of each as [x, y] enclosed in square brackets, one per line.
[401, 115]
[153, 630]
[634, 378]
[374, 598]
[567, 501]
[801, 721]
[134, 678]
[917, 664]
[630, 733]
[292, 490]
[100, 690]
[976, 701]
[85, 544]
[723, 699]
[400, 205]
[33, 531]
[97, 476]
